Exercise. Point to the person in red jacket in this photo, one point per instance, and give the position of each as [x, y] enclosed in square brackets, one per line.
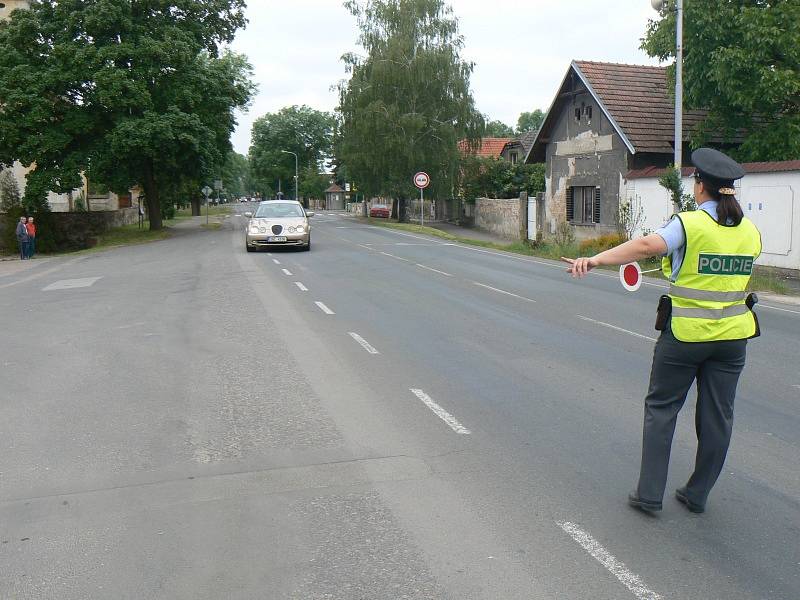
[31, 227]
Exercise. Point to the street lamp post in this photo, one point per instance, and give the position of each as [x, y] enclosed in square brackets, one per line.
[296, 173]
[659, 5]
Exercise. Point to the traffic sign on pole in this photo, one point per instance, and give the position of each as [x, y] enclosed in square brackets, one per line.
[422, 180]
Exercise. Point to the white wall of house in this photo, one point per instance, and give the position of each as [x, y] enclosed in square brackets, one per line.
[770, 200]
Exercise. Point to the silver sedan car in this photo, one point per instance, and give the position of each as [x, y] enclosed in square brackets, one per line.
[278, 223]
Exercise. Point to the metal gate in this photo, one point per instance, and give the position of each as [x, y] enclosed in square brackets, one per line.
[531, 218]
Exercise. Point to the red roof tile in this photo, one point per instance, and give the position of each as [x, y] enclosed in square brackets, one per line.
[489, 147]
[640, 101]
[754, 167]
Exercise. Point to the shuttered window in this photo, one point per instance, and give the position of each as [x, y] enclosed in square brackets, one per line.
[583, 204]
[596, 212]
[570, 204]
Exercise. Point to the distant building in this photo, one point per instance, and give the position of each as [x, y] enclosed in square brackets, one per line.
[334, 198]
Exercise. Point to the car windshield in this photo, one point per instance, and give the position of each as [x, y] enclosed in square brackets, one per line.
[279, 211]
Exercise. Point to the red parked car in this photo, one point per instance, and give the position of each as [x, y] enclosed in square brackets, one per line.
[380, 210]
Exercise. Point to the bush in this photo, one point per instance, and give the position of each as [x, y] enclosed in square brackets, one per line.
[599, 244]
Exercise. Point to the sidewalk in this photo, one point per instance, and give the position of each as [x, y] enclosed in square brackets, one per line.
[13, 266]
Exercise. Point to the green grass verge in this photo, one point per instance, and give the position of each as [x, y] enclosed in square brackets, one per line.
[127, 235]
[213, 211]
[763, 279]
[212, 226]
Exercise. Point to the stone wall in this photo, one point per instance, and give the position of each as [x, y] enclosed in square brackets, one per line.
[76, 230]
[499, 216]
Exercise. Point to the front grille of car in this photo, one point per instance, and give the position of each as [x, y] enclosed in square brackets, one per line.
[276, 229]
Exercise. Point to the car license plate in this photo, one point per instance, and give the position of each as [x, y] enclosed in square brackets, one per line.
[277, 238]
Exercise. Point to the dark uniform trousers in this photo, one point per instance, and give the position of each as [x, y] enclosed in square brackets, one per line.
[716, 366]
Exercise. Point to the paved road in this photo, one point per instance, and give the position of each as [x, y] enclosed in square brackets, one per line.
[386, 416]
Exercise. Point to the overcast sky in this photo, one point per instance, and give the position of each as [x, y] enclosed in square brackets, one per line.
[521, 50]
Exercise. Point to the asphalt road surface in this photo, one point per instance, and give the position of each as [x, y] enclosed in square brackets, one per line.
[386, 416]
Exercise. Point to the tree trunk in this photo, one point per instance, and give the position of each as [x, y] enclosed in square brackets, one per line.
[195, 206]
[152, 199]
[395, 207]
[402, 215]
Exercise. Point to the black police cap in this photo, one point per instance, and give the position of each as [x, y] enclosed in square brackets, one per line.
[716, 165]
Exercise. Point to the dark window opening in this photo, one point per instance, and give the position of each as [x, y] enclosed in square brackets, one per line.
[588, 112]
[513, 158]
[577, 114]
[583, 204]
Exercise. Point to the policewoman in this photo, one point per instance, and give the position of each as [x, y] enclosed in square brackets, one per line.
[705, 321]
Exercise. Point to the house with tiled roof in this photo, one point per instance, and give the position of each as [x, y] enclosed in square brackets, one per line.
[606, 120]
[488, 147]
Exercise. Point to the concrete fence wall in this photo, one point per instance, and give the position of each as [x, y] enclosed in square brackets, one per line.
[500, 216]
[77, 230]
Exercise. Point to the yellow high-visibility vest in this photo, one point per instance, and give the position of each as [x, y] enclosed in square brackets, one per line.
[708, 297]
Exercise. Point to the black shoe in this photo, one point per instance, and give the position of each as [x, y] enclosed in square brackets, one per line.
[646, 505]
[680, 494]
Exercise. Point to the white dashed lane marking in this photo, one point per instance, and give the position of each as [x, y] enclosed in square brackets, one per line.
[499, 291]
[324, 308]
[364, 343]
[286, 271]
[301, 286]
[434, 270]
[440, 412]
[276, 261]
[609, 561]
[397, 257]
[610, 326]
[71, 284]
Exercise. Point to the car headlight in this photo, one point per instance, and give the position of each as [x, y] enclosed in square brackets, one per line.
[253, 229]
[290, 229]
[263, 230]
[300, 229]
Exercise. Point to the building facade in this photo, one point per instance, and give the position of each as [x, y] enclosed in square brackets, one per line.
[606, 120]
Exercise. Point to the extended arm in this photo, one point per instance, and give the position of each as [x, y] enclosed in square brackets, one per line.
[633, 250]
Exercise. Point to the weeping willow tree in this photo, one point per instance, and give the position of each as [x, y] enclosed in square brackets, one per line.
[408, 101]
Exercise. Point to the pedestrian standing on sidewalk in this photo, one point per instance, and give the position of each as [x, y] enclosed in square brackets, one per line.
[705, 323]
[22, 238]
[31, 227]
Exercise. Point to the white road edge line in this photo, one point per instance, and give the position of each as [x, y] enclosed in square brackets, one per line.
[499, 291]
[301, 286]
[610, 326]
[609, 561]
[286, 271]
[434, 270]
[276, 261]
[324, 308]
[364, 343]
[365, 246]
[440, 412]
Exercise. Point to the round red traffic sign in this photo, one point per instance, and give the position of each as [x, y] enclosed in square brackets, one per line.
[630, 276]
[422, 180]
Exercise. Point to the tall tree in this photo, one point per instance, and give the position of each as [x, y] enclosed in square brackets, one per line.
[408, 101]
[742, 63]
[236, 174]
[530, 121]
[137, 92]
[498, 129]
[9, 190]
[300, 129]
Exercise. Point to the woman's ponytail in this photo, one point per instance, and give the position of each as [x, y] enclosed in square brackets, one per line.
[729, 212]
